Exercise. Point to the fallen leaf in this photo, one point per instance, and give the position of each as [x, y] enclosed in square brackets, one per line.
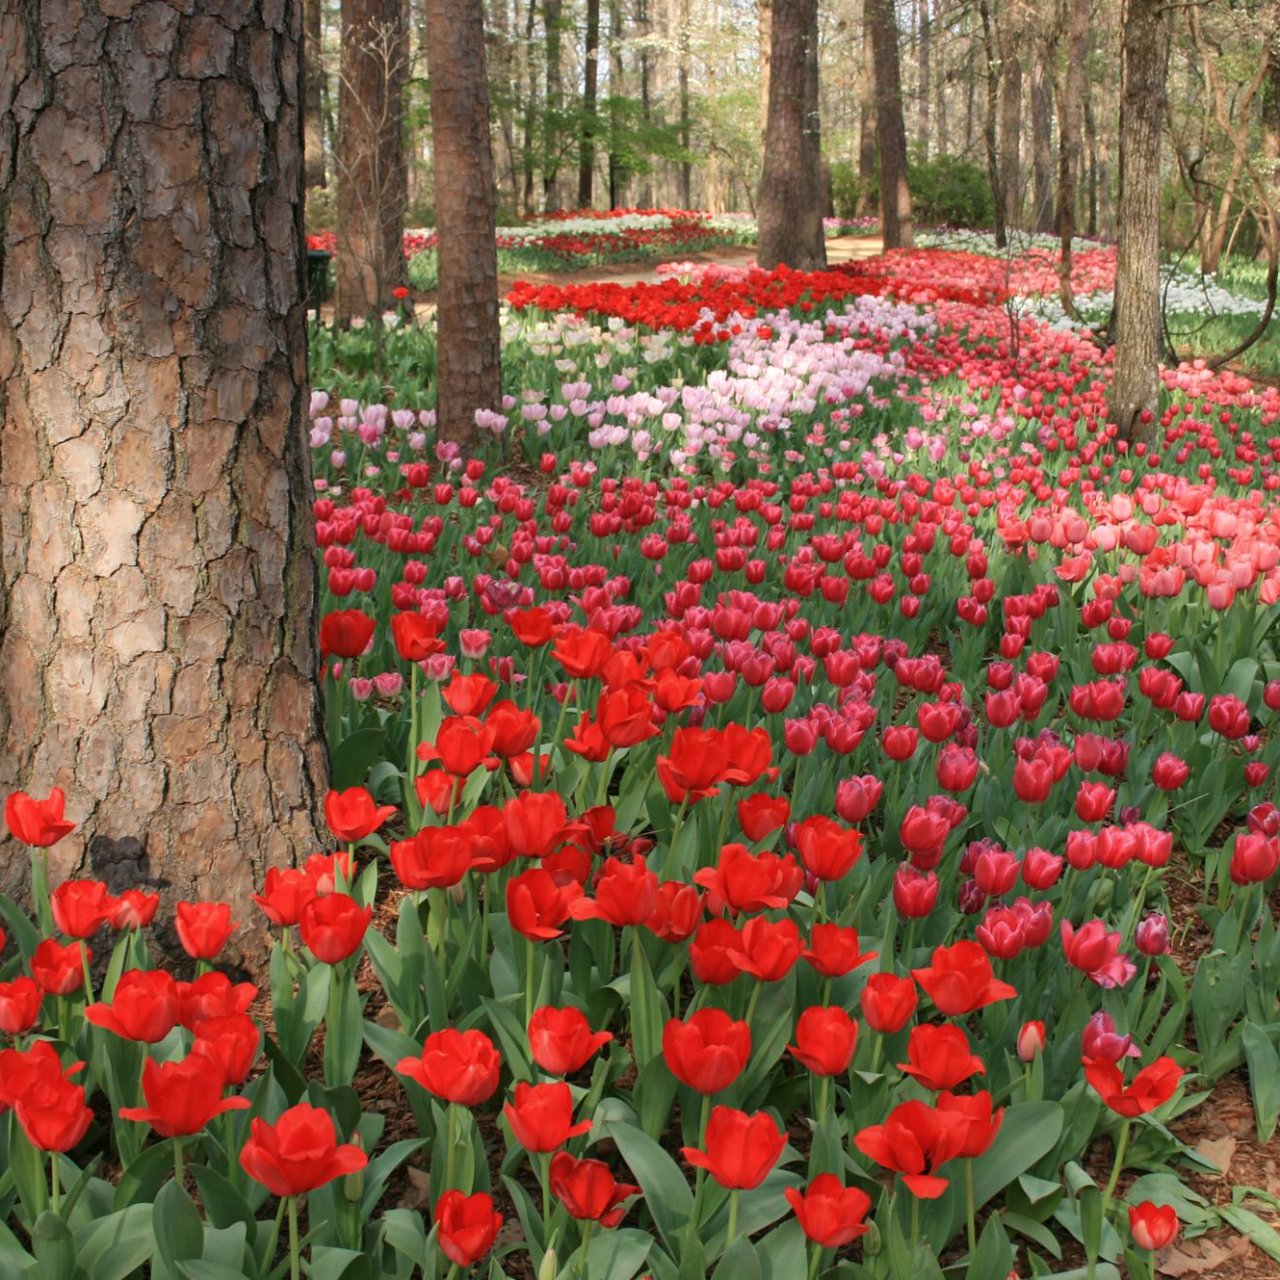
[1218, 1151]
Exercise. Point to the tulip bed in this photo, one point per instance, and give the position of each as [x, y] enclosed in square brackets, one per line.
[758, 782]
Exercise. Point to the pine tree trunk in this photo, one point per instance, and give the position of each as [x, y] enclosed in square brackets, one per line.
[644, 27]
[1136, 379]
[791, 198]
[528, 195]
[891, 133]
[313, 100]
[590, 125]
[686, 124]
[468, 373]
[868, 158]
[1271, 142]
[764, 28]
[924, 29]
[617, 165]
[1011, 130]
[1069, 104]
[157, 567]
[990, 124]
[372, 172]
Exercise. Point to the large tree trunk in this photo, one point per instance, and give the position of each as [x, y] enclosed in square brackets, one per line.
[924, 29]
[468, 373]
[891, 133]
[995, 173]
[528, 195]
[372, 175]
[791, 197]
[764, 25]
[1270, 228]
[313, 99]
[618, 170]
[1144, 66]
[644, 28]
[1011, 126]
[868, 159]
[157, 563]
[590, 125]
[686, 124]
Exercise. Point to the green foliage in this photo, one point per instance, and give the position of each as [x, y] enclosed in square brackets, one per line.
[951, 192]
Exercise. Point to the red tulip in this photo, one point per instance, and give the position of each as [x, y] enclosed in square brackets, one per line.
[745, 882]
[708, 1051]
[20, 1002]
[1152, 1087]
[38, 823]
[915, 1138]
[677, 912]
[52, 1113]
[1153, 1226]
[345, 633]
[59, 968]
[626, 894]
[827, 849]
[534, 822]
[826, 1037]
[144, 1006]
[587, 1189]
[435, 858]
[939, 1057]
[81, 907]
[333, 927]
[22, 1069]
[888, 1002]
[830, 1214]
[768, 950]
[414, 636]
[134, 909]
[1031, 1041]
[960, 979]
[981, 1124]
[457, 1066]
[1254, 858]
[231, 1042]
[352, 814]
[466, 1226]
[835, 950]
[298, 1153]
[537, 905]
[915, 893]
[285, 894]
[541, 1117]
[740, 1148]
[203, 928]
[182, 1097]
[212, 995]
[761, 815]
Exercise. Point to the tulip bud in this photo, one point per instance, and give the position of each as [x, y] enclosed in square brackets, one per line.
[1031, 1041]
[549, 1268]
[1152, 936]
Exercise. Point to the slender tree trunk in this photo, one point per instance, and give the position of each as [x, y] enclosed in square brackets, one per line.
[791, 185]
[313, 101]
[686, 123]
[1042, 148]
[590, 124]
[372, 173]
[618, 173]
[1069, 143]
[924, 31]
[1011, 127]
[529, 200]
[644, 26]
[891, 133]
[1270, 224]
[505, 73]
[468, 373]
[868, 158]
[552, 139]
[1144, 67]
[970, 83]
[157, 569]
[764, 20]
[995, 173]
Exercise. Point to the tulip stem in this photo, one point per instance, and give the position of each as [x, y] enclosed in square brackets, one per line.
[55, 1186]
[88, 976]
[586, 1243]
[915, 1226]
[544, 1181]
[968, 1207]
[1122, 1147]
[450, 1137]
[411, 764]
[530, 973]
[295, 1262]
[815, 1261]
[732, 1233]
[753, 1002]
[178, 1173]
[700, 1173]
[40, 889]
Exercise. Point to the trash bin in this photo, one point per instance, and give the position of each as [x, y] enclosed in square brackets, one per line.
[317, 278]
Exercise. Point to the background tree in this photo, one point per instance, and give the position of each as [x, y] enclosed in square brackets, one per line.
[157, 568]
[891, 133]
[468, 370]
[590, 122]
[313, 88]
[370, 159]
[790, 208]
[1136, 326]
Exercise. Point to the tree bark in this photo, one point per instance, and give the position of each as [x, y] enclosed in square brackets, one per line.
[590, 125]
[468, 372]
[1270, 228]
[1069, 102]
[1042, 148]
[372, 172]
[313, 99]
[891, 133]
[1144, 66]
[791, 198]
[552, 133]
[618, 172]
[157, 563]
[868, 158]
[1011, 126]
[529, 201]
[764, 21]
[924, 29]
[686, 123]
[990, 124]
[644, 27]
